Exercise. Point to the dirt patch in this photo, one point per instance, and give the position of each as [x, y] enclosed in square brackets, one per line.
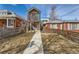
[57, 44]
[15, 44]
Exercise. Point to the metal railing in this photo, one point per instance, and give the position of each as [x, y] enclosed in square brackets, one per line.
[6, 32]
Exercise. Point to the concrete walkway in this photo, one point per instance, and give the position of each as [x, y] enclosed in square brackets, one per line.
[35, 46]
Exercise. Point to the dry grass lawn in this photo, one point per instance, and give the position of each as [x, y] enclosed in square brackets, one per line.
[15, 44]
[57, 44]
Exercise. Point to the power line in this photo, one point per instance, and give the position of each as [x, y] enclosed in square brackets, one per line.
[72, 11]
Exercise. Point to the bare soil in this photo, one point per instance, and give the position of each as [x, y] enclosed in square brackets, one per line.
[15, 44]
[58, 44]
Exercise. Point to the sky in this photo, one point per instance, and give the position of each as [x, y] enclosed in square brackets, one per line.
[63, 11]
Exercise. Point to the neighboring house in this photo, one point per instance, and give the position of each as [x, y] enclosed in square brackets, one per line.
[10, 24]
[67, 25]
[9, 19]
[44, 20]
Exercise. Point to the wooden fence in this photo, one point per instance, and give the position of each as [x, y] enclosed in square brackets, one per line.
[74, 36]
[6, 32]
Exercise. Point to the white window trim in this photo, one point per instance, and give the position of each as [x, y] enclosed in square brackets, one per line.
[12, 26]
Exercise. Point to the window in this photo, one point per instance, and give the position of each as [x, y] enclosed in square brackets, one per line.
[9, 13]
[34, 16]
[2, 13]
[77, 26]
[54, 26]
[74, 26]
[10, 23]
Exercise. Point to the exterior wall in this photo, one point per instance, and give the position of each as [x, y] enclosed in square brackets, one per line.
[2, 23]
[72, 26]
[17, 22]
[55, 26]
[50, 26]
[64, 26]
[58, 26]
[61, 26]
[69, 28]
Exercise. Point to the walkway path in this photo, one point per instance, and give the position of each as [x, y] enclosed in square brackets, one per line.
[35, 46]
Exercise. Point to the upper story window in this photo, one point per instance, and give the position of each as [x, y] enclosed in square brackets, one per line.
[2, 13]
[9, 13]
[34, 15]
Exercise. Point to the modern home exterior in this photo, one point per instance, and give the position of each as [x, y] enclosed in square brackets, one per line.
[9, 19]
[33, 19]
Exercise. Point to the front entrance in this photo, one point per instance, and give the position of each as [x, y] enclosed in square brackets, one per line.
[34, 26]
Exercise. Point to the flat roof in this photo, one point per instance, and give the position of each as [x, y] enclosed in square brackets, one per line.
[62, 21]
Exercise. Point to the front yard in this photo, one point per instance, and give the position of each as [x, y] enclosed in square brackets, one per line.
[58, 44]
[15, 44]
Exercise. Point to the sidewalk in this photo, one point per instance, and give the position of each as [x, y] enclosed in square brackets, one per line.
[35, 46]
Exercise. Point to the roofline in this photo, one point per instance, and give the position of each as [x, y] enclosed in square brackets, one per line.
[15, 15]
[57, 22]
[33, 8]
